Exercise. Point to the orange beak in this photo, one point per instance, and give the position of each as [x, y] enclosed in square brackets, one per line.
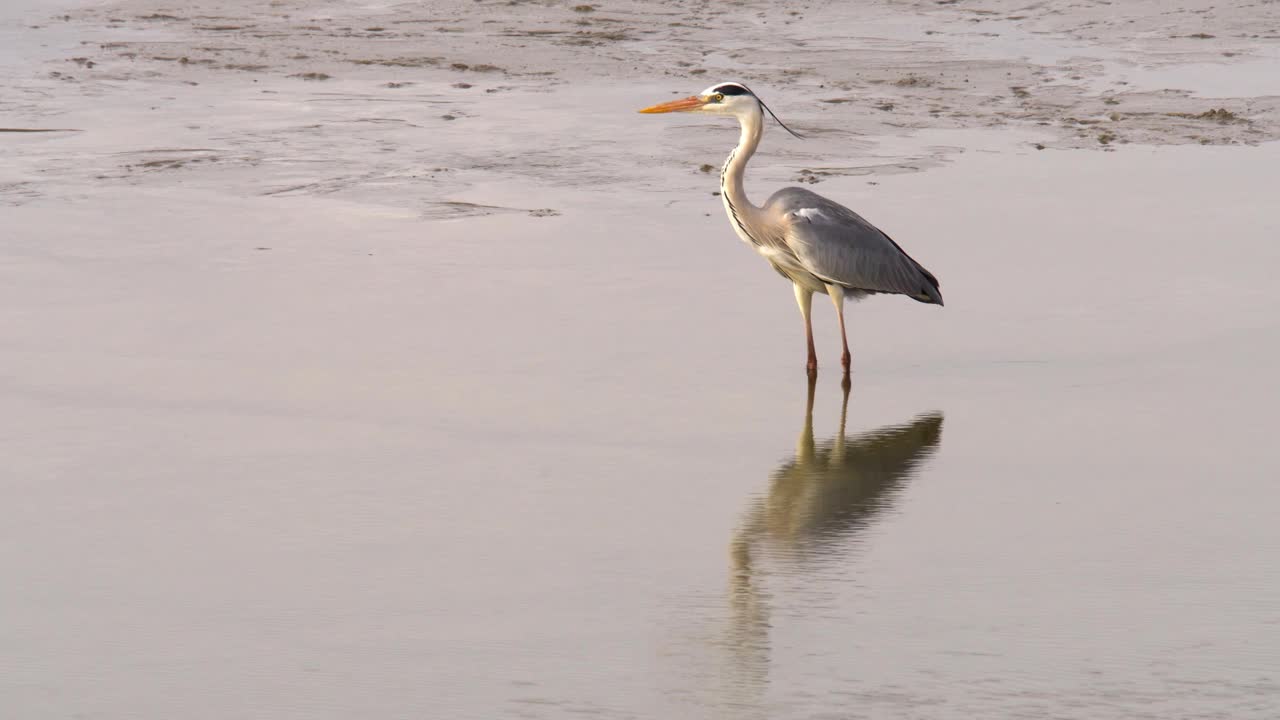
[693, 102]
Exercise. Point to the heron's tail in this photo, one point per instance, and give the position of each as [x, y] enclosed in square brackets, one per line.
[931, 293]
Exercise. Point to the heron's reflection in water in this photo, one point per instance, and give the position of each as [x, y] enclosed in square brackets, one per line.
[815, 505]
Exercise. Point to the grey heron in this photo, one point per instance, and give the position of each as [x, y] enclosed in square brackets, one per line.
[819, 245]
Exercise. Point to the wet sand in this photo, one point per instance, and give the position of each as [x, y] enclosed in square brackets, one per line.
[321, 405]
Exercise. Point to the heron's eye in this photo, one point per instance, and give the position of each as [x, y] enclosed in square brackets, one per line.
[718, 97]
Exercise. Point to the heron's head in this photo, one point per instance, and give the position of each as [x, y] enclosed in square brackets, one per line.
[727, 98]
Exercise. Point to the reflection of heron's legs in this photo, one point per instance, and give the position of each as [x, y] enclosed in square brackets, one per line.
[805, 299]
[749, 629]
[748, 593]
[837, 298]
[844, 404]
[804, 445]
[838, 442]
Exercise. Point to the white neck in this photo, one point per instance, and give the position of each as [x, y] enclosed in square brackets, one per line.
[741, 211]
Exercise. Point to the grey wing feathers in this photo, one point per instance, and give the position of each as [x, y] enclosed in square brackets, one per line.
[839, 247]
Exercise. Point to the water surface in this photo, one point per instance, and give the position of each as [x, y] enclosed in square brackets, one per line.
[297, 425]
[555, 470]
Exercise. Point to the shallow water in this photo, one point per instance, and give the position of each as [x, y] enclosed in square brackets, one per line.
[296, 428]
[553, 470]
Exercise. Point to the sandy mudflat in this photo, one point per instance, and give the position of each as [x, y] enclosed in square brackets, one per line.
[377, 360]
[335, 99]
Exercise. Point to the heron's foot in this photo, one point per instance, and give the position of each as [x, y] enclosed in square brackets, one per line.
[811, 367]
[846, 360]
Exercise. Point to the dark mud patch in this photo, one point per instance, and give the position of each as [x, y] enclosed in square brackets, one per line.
[14, 194]
[38, 130]
[914, 81]
[480, 68]
[596, 37]
[532, 33]
[1218, 115]
[388, 122]
[183, 60]
[455, 209]
[164, 159]
[408, 62]
[168, 163]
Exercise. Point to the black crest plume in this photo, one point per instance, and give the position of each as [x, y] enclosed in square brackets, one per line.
[766, 108]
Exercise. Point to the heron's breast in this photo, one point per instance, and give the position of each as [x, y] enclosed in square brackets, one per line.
[789, 267]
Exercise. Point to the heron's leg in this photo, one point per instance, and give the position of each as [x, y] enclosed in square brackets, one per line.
[837, 298]
[804, 298]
